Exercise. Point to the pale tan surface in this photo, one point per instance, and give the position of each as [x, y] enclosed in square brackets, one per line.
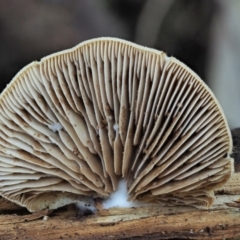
[125, 111]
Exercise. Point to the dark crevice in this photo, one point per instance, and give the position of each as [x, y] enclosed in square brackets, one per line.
[236, 148]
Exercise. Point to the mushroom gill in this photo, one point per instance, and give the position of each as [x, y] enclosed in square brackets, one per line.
[75, 123]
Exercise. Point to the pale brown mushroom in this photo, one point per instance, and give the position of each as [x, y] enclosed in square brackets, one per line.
[76, 122]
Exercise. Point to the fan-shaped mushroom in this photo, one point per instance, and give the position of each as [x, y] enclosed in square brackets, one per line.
[76, 122]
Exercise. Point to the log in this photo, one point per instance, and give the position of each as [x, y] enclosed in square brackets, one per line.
[222, 221]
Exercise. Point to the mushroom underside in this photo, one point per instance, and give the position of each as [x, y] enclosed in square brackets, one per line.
[76, 122]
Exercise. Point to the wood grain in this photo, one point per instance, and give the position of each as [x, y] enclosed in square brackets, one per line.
[222, 221]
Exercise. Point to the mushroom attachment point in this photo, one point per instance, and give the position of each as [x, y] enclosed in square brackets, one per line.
[77, 122]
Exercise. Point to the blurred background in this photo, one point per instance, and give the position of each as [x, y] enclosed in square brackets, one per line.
[204, 34]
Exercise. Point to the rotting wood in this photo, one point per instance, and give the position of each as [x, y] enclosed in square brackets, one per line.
[222, 221]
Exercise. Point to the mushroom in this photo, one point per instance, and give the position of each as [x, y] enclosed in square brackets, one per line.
[75, 123]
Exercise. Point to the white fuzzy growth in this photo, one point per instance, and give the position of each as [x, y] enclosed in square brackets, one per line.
[86, 205]
[82, 202]
[55, 127]
[115, 127]
[118, 199]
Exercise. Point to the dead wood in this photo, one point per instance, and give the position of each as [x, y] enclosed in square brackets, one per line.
[222, 221]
